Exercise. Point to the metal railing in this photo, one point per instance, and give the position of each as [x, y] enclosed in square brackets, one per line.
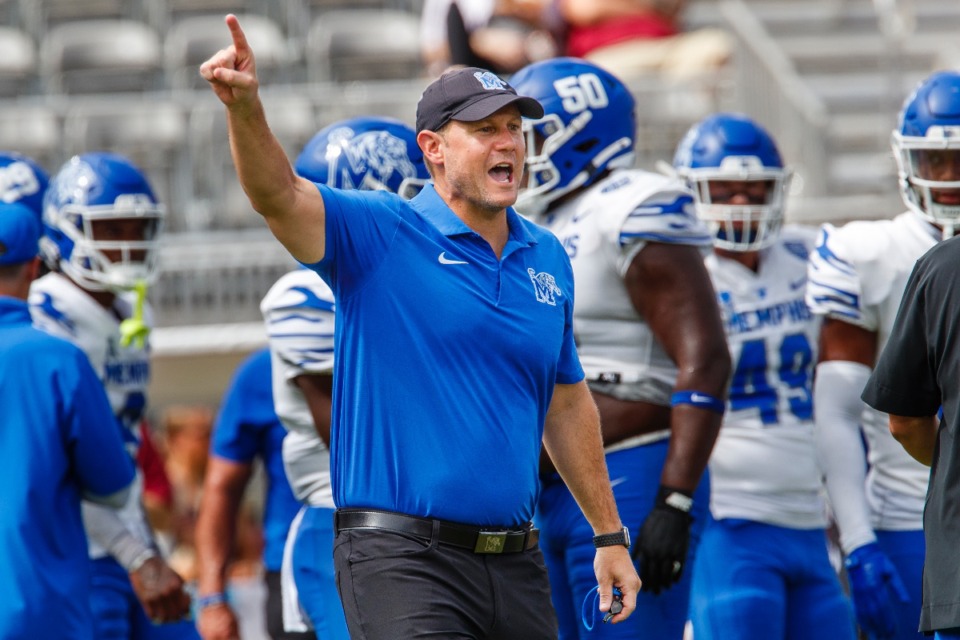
[211, 278]
[769, 89]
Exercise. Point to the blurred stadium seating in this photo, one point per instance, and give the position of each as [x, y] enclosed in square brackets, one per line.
[18, 62]
[101, 56]
[347, 45]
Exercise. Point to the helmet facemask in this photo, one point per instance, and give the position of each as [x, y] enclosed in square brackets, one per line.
[741, 227]
[929, 175]
[114, 246]
[546, 139]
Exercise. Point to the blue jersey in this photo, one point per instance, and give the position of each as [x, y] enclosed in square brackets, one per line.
[446, 357]
[59, 441]
[247, 427]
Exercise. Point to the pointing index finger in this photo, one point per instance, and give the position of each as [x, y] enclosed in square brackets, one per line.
[239, 39]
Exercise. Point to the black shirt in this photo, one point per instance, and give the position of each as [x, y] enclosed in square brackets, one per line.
[918, 371]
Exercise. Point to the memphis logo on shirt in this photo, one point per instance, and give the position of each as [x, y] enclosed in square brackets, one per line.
[737, 322]
[545, 286]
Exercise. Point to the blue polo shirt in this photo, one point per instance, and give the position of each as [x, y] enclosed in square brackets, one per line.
[59, 439]
[446, 357]
[247, 427]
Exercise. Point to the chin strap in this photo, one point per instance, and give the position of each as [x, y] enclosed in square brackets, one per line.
[134, 329]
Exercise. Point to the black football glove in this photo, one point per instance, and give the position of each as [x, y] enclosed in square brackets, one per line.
[661, 549]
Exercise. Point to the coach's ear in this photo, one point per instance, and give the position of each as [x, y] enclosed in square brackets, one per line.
[431, 144]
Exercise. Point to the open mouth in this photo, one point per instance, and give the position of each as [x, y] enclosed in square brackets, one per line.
[502, 173]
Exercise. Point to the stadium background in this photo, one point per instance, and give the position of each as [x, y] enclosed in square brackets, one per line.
[827, 77]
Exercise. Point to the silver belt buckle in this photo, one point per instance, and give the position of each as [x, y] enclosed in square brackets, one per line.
[490, 542]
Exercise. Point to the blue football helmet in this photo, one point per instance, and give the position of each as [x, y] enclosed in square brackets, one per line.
[926, 144]
[729, 147]
[22, 180]
[372, 153]
[588, 126]
[87, 193]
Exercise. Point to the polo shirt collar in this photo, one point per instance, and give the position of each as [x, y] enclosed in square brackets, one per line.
[431, 206]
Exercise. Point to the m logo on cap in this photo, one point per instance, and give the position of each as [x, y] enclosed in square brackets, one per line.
[489, 81]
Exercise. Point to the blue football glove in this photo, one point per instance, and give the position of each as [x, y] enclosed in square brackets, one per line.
[874, 581]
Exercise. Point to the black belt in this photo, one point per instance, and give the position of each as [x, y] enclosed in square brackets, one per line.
[476, 539]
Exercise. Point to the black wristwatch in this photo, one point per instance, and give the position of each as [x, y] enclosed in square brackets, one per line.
[621, 537]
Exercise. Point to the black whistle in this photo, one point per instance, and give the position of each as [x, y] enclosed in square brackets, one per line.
[615, 607]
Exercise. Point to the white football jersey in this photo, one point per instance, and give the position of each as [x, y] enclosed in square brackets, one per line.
[299, 314]
[857, 274]
[764, 465]
[602, 230]
[60, 307]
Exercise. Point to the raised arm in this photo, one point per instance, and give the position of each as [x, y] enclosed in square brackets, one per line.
[292, 206]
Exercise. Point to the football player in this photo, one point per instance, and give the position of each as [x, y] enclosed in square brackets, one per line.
[101, 227]
[360, 153]
[763, 569]
[246, 428]
[648, 334]
[857, 275]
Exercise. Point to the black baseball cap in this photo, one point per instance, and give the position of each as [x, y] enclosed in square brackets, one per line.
[469, 94]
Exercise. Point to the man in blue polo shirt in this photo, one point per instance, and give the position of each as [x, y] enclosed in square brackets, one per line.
[59, 444]
[456, 360]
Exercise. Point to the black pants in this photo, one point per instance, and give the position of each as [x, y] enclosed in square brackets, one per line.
[395, 585]
[275, 612]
